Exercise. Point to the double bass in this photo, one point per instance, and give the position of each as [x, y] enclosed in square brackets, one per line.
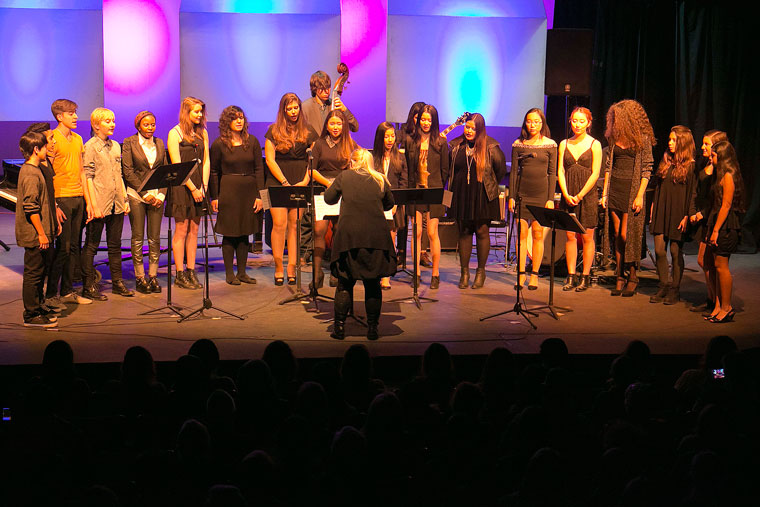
[340, 84]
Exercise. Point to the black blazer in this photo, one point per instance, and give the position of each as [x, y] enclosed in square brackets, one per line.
[361, 223]
[438, 163]
[134, 163]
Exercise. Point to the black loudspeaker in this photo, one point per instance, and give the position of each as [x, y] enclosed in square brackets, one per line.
[448, 233]
[568, 62]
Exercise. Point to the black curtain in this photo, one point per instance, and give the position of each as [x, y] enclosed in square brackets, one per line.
[689, 62]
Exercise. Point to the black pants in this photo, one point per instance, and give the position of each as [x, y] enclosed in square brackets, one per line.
[113, 224]
[344, 299]
[138, 211]
[36, 266]
[67, 247]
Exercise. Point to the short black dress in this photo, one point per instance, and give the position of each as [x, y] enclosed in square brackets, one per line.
[671, 203]
[470, 202]
[236, 174]
[539, 174]
[703, 203]
[294, 162]
[577, 173]
[621, 179]
[183, 206]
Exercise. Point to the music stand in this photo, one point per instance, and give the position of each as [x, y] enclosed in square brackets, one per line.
[556, 219]
[407, 196]
[291, 197]
[167, 176]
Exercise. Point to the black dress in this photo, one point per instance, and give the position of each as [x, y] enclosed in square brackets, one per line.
[539, 174]
[577, 173]
[437, 159]
[237, 175]
[621, 179]
[327, 158]
[183, 206]
[362, 247]
[672, 201]
[703, 203]
[470, 202]
[294, 162]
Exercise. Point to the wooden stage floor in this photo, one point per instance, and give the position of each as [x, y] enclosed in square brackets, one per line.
[596, 324]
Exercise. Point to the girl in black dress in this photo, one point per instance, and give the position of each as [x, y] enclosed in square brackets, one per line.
[629, 166]
[188, 141]
[406, 137]
[362, 247]
[427, 157]
[237, 175]
[536, 154]
[724, 226]
[580, 160]
[287, 140]
[389, 161]
[331, 153]
[703, 202]
[671, 207]
[477, 167]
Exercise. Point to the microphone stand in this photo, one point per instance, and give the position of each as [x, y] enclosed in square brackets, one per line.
[313, 291]
[520, 308]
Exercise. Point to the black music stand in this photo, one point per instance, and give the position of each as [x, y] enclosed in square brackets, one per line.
[564, 221]
[411, 196]
[291, 197]
[167, 176]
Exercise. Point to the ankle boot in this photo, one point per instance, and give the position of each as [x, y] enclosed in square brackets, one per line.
[673, 297]
[571, 282]
[182, 281]
[480, 278]
[373, 307]
[342, 306]
[659, 296]
[193, 279]
[464, 278]
[585, 283]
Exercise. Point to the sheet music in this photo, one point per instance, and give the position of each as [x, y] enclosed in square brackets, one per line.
[388, 214]
[322, 209]
[265, 201]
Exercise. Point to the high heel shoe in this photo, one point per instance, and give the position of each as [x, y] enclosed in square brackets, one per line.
[571, 282]
[480, 278]
[630, 288]
[279, 280]
[619, 284]
[729, 317]
[530, 285]
[585, 283]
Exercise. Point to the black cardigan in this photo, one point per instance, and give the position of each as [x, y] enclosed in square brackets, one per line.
[361, 223]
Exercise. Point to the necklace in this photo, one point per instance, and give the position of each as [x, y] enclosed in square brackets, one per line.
[469, 156]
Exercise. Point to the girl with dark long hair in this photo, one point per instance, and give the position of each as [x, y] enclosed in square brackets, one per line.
[477, 167]
[724, 226]
[237, 175]
[671, 208]
[629, 166]
[287, 140]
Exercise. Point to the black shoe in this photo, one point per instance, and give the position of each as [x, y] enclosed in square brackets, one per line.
[93, 293]
[232, 279]
[244, 278]
[464, 278]
[571, 282]
[39, 321]
[50, 310]
[585, 283]
[673, 297]
[480, 278]
[320, 280]
[660, 295]
[372, 333]
[279, 280]
[400, 258]
[193, 279]
[425, 260]
[155, 287]
[435, 282]
[51, 314]
[339, 330]
[182, 281]
[619, 285]
[142, 285]
[120, 289]
[729, 317]
[630, 288]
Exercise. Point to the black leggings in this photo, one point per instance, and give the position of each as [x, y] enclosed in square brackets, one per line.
[676, 255]
[344, 298]
[231, 246]
[482, 242]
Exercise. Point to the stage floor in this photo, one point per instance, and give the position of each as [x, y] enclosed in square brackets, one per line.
[596, 324]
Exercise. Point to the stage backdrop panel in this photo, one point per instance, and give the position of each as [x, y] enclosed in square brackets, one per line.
[251, 60]
[47, 54]
[491, 65]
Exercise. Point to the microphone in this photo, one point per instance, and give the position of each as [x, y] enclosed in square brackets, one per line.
[526, 156]
[308, 152]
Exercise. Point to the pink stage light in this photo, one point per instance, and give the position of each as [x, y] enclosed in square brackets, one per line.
[136, 43]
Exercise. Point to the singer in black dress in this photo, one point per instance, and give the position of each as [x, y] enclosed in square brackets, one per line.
[580, 160]
[188, 141]
[477, 167]
[237, 175]
[672, 206]
[534, 157]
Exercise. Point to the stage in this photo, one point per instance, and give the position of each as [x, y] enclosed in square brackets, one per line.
[597, 324]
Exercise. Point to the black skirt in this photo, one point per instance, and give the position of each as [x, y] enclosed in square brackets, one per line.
[364, 264]
[237, 194]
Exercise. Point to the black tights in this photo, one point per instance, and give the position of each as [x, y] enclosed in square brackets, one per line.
[676, 256]
[344, 299]
[231, 246]
[482, 243]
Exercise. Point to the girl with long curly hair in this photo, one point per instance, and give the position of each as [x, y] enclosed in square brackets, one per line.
[237, 175]
[627, 172]
[671, 208]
